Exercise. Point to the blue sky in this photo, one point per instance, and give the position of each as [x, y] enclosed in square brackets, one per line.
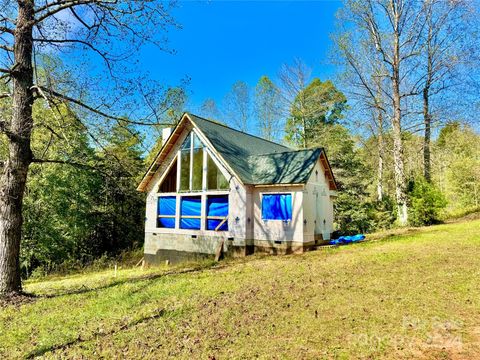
[222, 42]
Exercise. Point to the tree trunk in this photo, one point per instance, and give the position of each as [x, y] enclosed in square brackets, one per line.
[14, 175]
[427, 136]
[427, 119]
[400, 182]
[381, 155]
[304, 125]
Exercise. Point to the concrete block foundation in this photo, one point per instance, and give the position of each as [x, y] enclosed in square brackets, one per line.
[177, 248]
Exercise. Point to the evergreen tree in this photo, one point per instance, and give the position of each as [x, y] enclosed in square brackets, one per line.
[318, 104]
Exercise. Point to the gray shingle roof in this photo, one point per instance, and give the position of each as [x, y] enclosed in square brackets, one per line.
[255, 160]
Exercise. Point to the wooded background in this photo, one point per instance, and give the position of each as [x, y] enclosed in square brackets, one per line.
[399, 123]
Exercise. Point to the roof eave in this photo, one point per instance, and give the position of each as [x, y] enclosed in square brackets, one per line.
[152, 169]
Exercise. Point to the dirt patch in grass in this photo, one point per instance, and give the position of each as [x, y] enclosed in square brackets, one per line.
[16, 299]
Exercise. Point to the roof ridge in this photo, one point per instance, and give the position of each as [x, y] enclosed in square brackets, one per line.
[290, 151]
[231, 128]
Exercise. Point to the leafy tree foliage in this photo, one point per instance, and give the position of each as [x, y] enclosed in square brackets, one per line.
[76, 214]
[457, 165]
[356, 209]
[426, 202]
[318, 104]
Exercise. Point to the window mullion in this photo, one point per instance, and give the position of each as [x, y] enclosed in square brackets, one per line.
[191, 161]
[205, 169]
[177, 212]
[203, 212]
[179, 169]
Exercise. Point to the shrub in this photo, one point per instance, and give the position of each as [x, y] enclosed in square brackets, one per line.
[383, 213]
[352, 215]
[426, 202]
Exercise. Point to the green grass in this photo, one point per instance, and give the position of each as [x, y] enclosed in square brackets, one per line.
[410, 294]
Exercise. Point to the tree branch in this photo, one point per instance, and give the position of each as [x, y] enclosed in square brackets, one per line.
[64, 162]
[5, 29]
[89, 27]
[85, 43]
[63, 5]
[6, 48]
[92, 109]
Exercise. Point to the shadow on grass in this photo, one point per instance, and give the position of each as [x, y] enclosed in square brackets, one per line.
[42, 350]
[85, 289]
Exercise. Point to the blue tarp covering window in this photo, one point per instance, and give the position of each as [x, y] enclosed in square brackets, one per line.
[277, 207]
[166, 223]
[190, 209]
[166, 207]
[187, 223]
[217, 205]
[191, 205]
[217, 210]
[213, 223]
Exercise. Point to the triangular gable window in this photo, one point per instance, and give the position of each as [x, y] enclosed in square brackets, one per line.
[192, 153]
[169, 183]
[215, 178]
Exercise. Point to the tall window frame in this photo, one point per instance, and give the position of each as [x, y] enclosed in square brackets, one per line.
[194, 155]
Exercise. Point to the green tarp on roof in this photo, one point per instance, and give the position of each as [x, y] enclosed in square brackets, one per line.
[255, 160]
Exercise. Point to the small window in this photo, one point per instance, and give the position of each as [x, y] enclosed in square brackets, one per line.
[217, 212]
[277, 207]
[167, 206]
[190, 211]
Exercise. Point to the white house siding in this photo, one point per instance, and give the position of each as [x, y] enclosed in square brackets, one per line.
[277, 234]
[318, 206]
[237, 212]
[163, 243]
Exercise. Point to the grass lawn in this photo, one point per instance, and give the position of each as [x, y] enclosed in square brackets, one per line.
[412, 295]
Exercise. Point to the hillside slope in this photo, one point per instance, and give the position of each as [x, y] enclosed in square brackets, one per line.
[410, 295]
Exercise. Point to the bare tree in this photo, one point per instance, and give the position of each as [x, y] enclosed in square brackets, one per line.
[209, 109]
[31, 27]
[268, 108]
[393, 28]
[445, 49]
[237, 106]
[364, 80]
[294, 78]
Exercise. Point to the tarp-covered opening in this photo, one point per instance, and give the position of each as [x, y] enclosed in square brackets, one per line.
[166, 211]
[217, 212]
[277, 207]
[190, 211]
